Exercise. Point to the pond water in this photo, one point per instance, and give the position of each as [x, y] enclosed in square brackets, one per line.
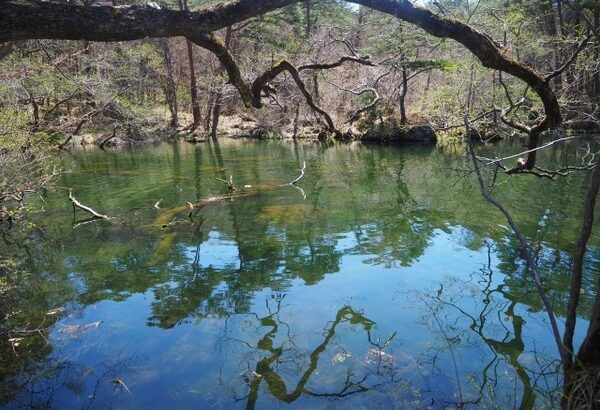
[382, 280]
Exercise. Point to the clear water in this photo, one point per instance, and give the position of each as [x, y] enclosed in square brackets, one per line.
[382, 281]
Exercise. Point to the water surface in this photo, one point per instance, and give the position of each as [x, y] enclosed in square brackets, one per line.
[382, 280]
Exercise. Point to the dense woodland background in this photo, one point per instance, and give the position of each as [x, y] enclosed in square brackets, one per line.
[146, 89]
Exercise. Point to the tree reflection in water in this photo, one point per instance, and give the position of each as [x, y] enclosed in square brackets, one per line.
[277, 352]
[494, 319]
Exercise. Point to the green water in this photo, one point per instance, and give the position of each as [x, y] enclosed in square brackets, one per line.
[382, 281]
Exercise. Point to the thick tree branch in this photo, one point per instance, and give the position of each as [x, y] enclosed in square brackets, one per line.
[214, 44]
[30, 19]
[261, 83]
[489, 52]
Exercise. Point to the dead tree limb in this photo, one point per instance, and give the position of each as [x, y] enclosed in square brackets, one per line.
[229, 183]
[77, 204]
[302, 172]
[571, 59]
[367, 107]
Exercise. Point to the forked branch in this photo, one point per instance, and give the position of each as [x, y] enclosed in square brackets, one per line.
[77, 204]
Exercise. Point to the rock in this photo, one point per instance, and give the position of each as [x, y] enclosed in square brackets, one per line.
[197, 138]
[423, 134]
[264, 133]
[417, 133]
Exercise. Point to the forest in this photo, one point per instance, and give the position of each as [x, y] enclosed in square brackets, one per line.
[206, 155]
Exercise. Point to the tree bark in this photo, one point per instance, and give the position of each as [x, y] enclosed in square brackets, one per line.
[219, 97]
[596, 75]
[193, 86]
[34, 19]
[403, 92]
[169, 86]
[592, 342]
[193, 83]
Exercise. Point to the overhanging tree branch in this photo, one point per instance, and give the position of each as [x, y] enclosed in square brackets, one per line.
[31, 19]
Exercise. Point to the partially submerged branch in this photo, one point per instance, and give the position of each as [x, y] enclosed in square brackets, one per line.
[77, 204]
[302, 171]
[229, 183]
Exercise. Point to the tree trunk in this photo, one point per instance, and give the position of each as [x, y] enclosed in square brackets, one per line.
[358, 39]
[402, 100]
[596, 75]
[307, 17]
[219, 97]
[169, 86]
[193, 86]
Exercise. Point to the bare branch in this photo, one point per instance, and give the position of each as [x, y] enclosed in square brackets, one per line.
[77, 204]
[326, 66]
[523, 244]
[367, 107]
[571, 59]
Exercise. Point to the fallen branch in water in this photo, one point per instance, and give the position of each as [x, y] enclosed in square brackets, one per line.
[77, 204]
[245, 191]
[229, 183]
[302, 172]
